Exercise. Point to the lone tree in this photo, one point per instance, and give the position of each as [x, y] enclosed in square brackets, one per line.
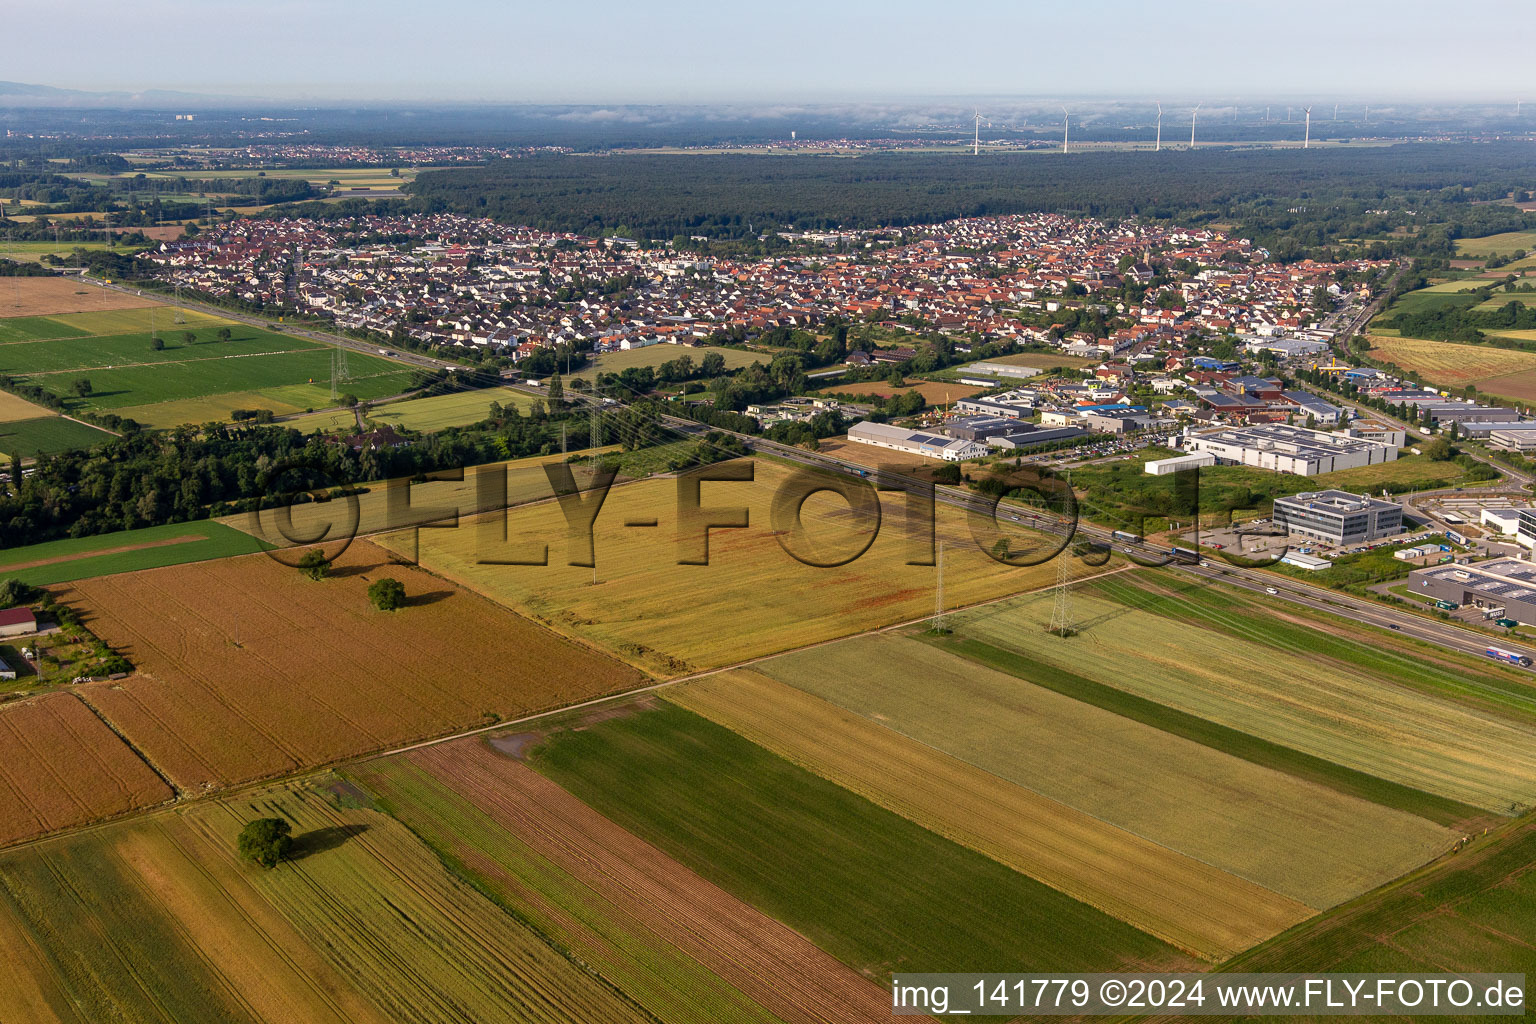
[387, 594]
[224, 334]
[266, 841]
[348, 399]
[155, 344]
[82, 386]
[188, 337]
[314, 564]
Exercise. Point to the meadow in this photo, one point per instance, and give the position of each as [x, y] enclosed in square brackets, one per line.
[1504, 244]
[156, 920]
[60, 767]
[750, 600]
[61, 561]
[248, 669]
[1292, 837]
[33, 252]
[1193, 905]
[875, 890]
[655, 355]
[47, 434]
[684, 949]
[455, 410]
[1387, 715]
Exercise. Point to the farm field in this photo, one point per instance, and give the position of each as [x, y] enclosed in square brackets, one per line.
[1293, 837]
[47, 434]
[456, 410]
[331, 421]
[157, 920]
[1445, 735]
[247, 669]
[1503, 244]
[183, 381]
[760, 599]
[1194, 905]
[875, 890]
[1471, 912]
[684, 949]
[13, 409]
[33, 252]
[46, 296]
[934, 392]
[655, 355]
[432, 501]
[1449, 363]
[60, 766]
[61, 561]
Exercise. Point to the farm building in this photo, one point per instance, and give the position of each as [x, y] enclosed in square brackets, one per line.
[1289, 449]
[916, 442]
[1337, 517]
[1507, 583]
[17, 621]
[6, 672]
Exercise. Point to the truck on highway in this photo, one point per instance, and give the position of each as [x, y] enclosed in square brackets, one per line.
[1132, 538]
[1499, 654]
[1185, 555]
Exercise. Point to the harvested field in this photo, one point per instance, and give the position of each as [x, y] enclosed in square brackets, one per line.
[1451, 364]
[934, 392]
[438, 501]
[156, 920]
[655, 355]
[60, 766]
[683, 948]
[1519, 386]
[752, 598]
[1295, 838]
[13, 408]
[877, 891]
[1481, 754]
[248, 669]
[1191, 904]
[44, 296]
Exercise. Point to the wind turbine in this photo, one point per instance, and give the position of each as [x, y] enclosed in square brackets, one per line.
[1306, 142]
[1066, 128]
[1159, 147]
[976, 144]
[1194, 114]
[1335, 111]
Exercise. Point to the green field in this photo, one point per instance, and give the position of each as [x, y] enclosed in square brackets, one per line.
[48, 434]
[32, 252]
[1504, 244]
[877, 891]
[61, 561]
[456, 410]
[184, 381]
[1472, 912]
[36, 328]
[655, 355]
[1420, 718]
[1249, 820]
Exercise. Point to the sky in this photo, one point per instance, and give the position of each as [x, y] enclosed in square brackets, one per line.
[804, 51]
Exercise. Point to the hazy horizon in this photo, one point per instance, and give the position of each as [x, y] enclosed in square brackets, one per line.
[466, 51]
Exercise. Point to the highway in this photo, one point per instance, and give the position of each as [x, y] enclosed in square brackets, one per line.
[1344, 606]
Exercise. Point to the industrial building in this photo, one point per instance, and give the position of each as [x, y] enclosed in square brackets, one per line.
[1031, 436]
[1162, 467]
[1286, 449]
[1002, 370]
[1504, 583]
[1513, 440]
[979, 428]
[1375, 430]
[1479, 429]
[916, 442]
[1338, 517]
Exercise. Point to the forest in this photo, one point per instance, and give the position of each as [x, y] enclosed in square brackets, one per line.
[1290, 201]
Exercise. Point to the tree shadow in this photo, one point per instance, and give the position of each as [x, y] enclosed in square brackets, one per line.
[341, 572]
[322, 839]
[430, 597]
